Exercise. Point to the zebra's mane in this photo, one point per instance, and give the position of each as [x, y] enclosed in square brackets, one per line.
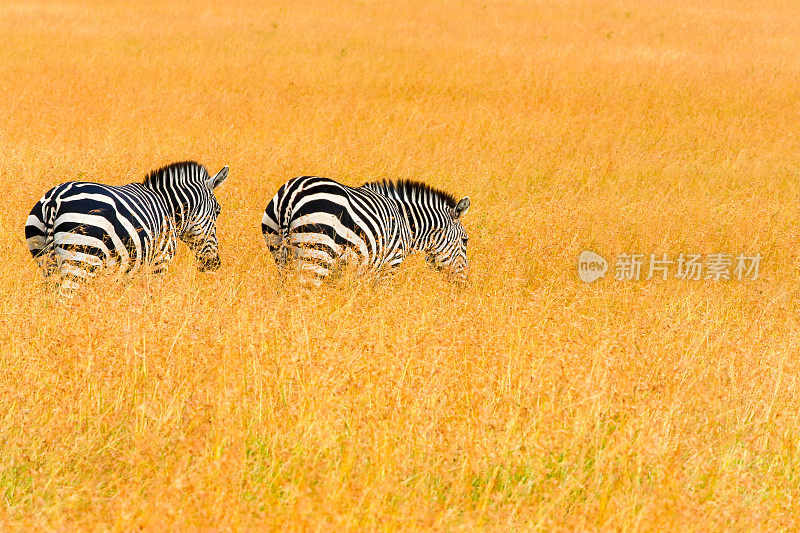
[405, 188]
[158, 176]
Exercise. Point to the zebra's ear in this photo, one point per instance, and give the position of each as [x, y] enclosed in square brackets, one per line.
[460, 208]
[220, 176]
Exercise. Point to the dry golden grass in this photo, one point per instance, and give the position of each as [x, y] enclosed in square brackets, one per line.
[527, 401]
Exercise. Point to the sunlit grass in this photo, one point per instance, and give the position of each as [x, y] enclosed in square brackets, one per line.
[528, 400]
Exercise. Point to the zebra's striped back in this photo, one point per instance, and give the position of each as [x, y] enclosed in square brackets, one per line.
[323, 224]
[79, 228]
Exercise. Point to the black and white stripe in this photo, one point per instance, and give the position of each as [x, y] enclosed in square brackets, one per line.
[322, 224]
[434, 219]
[78, 229]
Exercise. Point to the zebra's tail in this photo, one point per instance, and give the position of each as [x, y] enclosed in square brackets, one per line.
[276, 235]
[39, 234]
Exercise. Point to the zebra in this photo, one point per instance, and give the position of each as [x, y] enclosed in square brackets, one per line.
[79, 228]
[322, 224]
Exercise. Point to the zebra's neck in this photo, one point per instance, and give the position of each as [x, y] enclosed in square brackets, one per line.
[175, 207]
[422, 219]
[425, 209]
[172, 183]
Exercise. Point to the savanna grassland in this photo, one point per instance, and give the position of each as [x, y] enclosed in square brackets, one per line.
[528, 400]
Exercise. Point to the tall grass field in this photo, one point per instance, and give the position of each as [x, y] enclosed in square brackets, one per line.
[527, 400]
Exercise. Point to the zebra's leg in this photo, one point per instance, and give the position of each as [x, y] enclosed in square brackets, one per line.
[313, 272]
[383, 274]
[311, 253]
[46, 261]
[276, 246]
[385, 270]
[312, 265]
[41, 248]
[75, 267]
[71, 276]
[39, 235]
[165, 251]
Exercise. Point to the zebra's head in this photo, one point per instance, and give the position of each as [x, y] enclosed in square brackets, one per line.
[434, 218]
[200, 222]
[446, 246]
[189, 189]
